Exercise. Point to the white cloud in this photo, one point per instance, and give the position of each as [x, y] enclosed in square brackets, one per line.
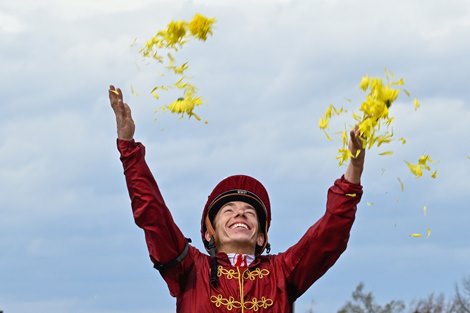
[10, 23]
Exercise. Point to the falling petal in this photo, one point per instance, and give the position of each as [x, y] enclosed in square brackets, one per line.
[402, 140]
[327, 136]
[416, 235]
[416, 104]
[415, 169]
[370, 203]
[352, 195]
[323, 123]
[386, 153]
[133, 91]
[155, 95]
[364, 84]
[434, 174]
[429, 232]
[424, 159]
[402, 185]
[114, 91]
[425, 210]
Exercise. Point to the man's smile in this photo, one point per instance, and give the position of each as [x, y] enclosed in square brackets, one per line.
[239, 225]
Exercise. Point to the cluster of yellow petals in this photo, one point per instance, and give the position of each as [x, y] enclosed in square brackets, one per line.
[373, 120]
[423, 164]
[201, 26]
[185, 105]
[375, 126]
[173, 38]
[324, 121]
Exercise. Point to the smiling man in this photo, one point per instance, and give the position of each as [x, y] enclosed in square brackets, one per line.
[236, 276]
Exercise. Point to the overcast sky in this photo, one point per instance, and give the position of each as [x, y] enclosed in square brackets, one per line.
[68, 243]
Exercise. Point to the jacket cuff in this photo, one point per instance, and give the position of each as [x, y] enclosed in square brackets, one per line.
[128, 147]
[348, 186]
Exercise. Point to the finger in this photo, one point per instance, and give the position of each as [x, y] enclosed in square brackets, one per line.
[119, 94]
[355, 140]
[116, 99]
[112, 95]
[352, 135]
[127, 111]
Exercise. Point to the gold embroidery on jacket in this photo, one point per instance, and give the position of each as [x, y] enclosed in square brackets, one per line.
[247, 274]
[255, 304]
[230, 303]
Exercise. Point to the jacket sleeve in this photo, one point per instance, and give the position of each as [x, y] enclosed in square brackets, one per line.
[324, 242]
[165, 241]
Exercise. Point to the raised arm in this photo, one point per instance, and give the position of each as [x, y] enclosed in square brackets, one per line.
[326, 240]
[165, 242]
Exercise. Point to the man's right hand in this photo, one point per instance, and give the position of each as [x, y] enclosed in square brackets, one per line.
[124, 122]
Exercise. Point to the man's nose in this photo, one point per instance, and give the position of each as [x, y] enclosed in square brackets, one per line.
[240, 212]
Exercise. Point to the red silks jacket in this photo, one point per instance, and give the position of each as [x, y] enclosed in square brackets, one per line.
[270, 284]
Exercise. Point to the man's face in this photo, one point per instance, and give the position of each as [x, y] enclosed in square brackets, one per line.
[237, 229]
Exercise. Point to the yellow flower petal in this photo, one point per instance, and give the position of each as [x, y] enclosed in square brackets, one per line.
[416, 104]
[429, 232]
[416, 235]
[434, 174]
[327, 135]
[115, 92]
[424, 159]
[364, 84]
[370, 203]
[323, 123]
[415, 169]
[134, 91]
[425, 210]
[402, 185]
[386, 153]
[352, 195]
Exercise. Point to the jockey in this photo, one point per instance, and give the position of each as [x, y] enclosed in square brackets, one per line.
[236, 276]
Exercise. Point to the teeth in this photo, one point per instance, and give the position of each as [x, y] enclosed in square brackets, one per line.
[239, 225]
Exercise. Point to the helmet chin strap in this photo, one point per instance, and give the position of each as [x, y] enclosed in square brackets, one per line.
[213, 256]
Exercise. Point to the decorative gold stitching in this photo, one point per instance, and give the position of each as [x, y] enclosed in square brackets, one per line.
[247, 274]
[255, 304]
[231, 273]
[257, 273]
[230, 303]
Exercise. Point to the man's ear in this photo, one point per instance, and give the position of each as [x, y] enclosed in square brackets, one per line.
[207, 236]
[260, 239]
